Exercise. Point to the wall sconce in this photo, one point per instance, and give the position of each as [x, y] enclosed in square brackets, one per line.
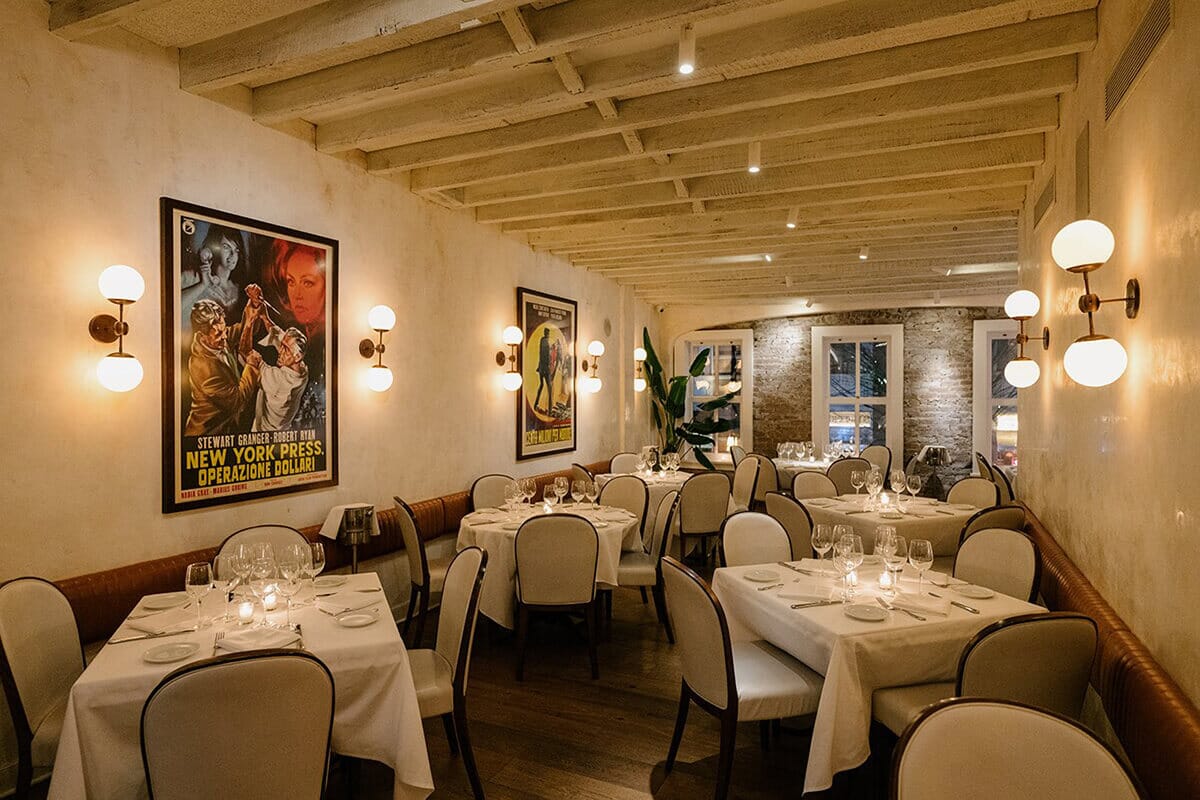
[1023, 372]
[592, 383]
[119, 371]
[381, 319]
[1083, 247]
[639, 358]
[512, 379]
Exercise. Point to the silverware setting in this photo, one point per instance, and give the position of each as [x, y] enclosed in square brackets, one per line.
[957, 604]
[772, 586]
[217, 637]
[889, 607]
[143, 636]
[815, 603]
[339, 591]
[801, 570]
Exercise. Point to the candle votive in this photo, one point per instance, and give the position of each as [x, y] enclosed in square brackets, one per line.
[885, 580]
[245, 612]
[270, 600]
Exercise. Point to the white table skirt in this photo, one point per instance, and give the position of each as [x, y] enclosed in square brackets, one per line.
[938, 522]
[788, 470]
[497, 596]
[855, 657]
[658, 485]
[376, 714]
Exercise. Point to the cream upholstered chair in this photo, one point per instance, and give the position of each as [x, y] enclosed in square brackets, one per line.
[645, 569]
[733, 681]
[1010, 517]
[736, 454]
[440, 675]
[999, 750]
[1044, 660]
[795, 519]
[749, 537]
[768, 479]
[839, 472]
[978, 492]
[40, 659]
[983, 465]
[488, 491]
[630, 493]
[879, 455]
[807, 485]
[745, 479]
[1003, 560]
[581, 473]
[1000, 478]
[278, 536]
[202, 728]
[623, 463]
[426, 576]
[556, 571]
[703, 506]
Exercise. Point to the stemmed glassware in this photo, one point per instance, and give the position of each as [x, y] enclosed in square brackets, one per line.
[914, 482]
[920, 555]
[562, 487]
[847, 556]
[224, 574]
[242, 556]
[591, 492]
[528, 489]
[511, 493]
[198, 582]
[578, 490]
[899, 483]
[894, 550]
[290, 569]
[874, 485]
[262, 573]
[822, 541]
[858, 479]
[549, 495]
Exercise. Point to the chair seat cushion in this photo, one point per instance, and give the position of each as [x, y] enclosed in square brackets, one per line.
[771, 684]
[636, 569]
[897, 707]
[433, 679]
[437, 574]
[45, 738]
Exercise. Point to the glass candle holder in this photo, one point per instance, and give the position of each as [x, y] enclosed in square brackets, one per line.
[245, 612]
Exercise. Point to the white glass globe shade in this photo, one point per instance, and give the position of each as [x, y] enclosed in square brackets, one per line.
[1022, 372]
[512, 335]
[639, 354]
[119, 372]
[1022, 304]
[379, 378]
[639, 384]
[381, 318]
[1084, 241]
[592, 384]
[596, 348]
[1095, 361]
[122, 284]
[511, 381]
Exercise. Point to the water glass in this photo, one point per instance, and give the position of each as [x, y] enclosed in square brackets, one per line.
[198, 582]
[822, 539]
[858, 479]
[562, 487]
[899, 482]
[848, 555]
[914, 483]
[578, 490]
[316, 557]
[591, 492]
[511, 492]
[920, 555]
[549, 497]
[290, 569]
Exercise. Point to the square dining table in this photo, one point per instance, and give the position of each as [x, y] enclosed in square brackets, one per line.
[923, 518]
[375, 714]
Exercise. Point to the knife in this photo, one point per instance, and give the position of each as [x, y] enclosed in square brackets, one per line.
[963, 606]
[802, 571]
[149, 636]
[815, 603]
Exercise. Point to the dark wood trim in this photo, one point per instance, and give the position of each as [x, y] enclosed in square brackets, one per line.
[788, 498]
[471, 493]
[962, 534]
[1037, 560]
[721, 536]
[420, 594]
[221, 546]
[456, 721]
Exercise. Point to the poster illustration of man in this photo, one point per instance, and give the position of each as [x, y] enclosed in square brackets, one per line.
[546, 416]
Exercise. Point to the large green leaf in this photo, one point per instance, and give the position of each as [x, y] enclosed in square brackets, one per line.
[717, 402]
[703, 459]
[698, 363]
[694, 438]
[677, 396]
[652, 361]
[712, 426]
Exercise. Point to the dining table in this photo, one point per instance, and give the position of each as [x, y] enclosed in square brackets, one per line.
[876, 648]
[495, 530]
[376, 714]
[658, 484]
[789, 468]
[921, 518]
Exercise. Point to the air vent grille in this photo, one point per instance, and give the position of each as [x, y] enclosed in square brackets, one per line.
[1044, 202]
[1153, 28]
[1083, 186]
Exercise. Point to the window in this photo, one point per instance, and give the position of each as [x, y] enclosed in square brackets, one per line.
[858, 385]
[729, 368]
[994, 398]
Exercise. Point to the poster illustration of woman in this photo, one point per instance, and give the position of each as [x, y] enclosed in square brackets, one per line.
[546, 402]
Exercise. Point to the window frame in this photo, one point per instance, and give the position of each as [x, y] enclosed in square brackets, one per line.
[828, 334]
[743, 338]
[982, 401]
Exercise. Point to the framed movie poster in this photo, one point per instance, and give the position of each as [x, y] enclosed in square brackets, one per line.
[249, 358]
[546, 402]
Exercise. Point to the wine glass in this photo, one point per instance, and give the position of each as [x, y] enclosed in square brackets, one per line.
[874, 484]
[920, 555]
[591, 492]
[561, 487]
[899, 482]
[848, 555]
[895, 555]
[316, 558]
[822, 540]
[224, 575]
[262, 582]
[578, 490]
[549, 496]
[858, 479]
[530, 490]
[290, 569]
[641, 462]
[914, 483]
[198, 582]
[510, 495]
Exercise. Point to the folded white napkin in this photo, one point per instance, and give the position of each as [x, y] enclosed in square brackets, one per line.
[343, 602]
[807, 589]
[177, 619]
[820, 502]
[257, 639]
[923, 604]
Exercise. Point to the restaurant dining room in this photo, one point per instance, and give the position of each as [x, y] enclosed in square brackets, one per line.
[588, 399]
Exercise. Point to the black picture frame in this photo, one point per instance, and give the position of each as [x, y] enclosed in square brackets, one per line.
[550, 327]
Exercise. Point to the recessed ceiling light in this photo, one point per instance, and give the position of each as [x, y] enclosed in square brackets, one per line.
[864, 253]
[754, 158]
[687, 50]
[768, 257]
[793, 217]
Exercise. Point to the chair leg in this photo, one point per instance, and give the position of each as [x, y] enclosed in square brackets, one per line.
[424, 612]
[680, 721]
[591, 631]
[412, 612]
[468, 755]
[660, 603]
[725, 759]
[448, 724]
[764, 735]
[522, 635]
[24, 773]
[645, 599]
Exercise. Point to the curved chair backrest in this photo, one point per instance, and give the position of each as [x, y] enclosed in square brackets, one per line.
[1007, 495]
[752, 538]
[703, 502]
[202, 727]
[278, 536]
[978, 492]
[795, 519]
[1043, 660]
[460, 607]
[628, 492]
[414, 545]
[745, 479]
[701, 633]
[768, 477]
[488, 491]
[556, 560]
[984, 466]
[737, 453]
[1000, 559]
[812, 484]
[581, 473]
[995, 750]
[1011, 517]
[839, 472]
[623, 463]
[880, 455]
[666, 518]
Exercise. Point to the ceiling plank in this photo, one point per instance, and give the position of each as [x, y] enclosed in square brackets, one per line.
[572, 80]
[843, 277]
[75, 19]
[518, 30]
[1006, 282]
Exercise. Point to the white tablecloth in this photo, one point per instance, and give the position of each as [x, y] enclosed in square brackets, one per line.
[924, 519]
[495, 531]
[376, 716]
[658, 484]
[855, 657]
[788, 469]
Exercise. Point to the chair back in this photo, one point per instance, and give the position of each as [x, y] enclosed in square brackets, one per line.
[839, 472]
[459, 612]
[752, 538]
[278, 536]
[556, 560]
[879, 455]
[985, 468]
[666, 520]
[1007, 496]
[1042, 660]
[703, 502]
[745, 479]
[488, 491]
[40, 653]
[768, 477]
[1003, 560]
[581, 473]
[737, 453]
[807, 485]
[701, 633]
[1011, 517]
[795, 519]
[997, 750]
[623, 463]
[202, 728]
[628, 492]
[978, 492]
[414, 545]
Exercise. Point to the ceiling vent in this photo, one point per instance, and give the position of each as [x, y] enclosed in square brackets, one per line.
[1044, 202]
[1150, 32]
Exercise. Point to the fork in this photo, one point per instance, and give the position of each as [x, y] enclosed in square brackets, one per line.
[216, 639]
[912, 614]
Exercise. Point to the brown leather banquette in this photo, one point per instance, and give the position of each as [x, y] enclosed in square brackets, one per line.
[101, 600]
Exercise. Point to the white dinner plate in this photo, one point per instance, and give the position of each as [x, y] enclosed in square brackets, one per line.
[762, 575]
[891, 515]
[864, 612]
[162, 602]
[962, 506]
[974, 592]
[329, 581]
[356, 619]
[166, 653]
[599, 524]
[510, 526]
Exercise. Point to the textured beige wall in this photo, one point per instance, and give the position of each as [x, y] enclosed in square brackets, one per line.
[1113, 471]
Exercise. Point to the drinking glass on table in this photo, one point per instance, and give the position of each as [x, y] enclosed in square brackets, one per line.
[198, 582]
[591, 492]
[914, 482]
[858, 479]
[822, 540]
[894, 551]
[920, 555]
[899, 482]
[549, 496]
[848, 556]
[578, 490]
[561, 488]
[316, 558]
[224, 575]
[290, 568]
[511, 492]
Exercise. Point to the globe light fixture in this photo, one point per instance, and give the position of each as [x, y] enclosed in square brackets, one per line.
[1095, 360]
[379, 378]
[1023, 372]
[592, 383]
[121, 285]
[381, 319]
[512, 337]
[639, 358]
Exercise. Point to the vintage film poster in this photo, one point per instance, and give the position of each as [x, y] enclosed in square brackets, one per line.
[249, 358]
[546, 402]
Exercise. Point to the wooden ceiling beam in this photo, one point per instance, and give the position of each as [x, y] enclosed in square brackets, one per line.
[847, 283]
[943, 296]
[76, 19]
[699, 269]
[798, 290]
